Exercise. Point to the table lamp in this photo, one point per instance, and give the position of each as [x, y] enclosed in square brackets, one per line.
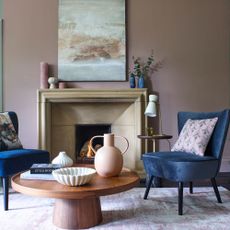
[152, 110]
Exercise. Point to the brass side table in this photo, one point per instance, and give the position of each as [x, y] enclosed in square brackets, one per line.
[155, 137]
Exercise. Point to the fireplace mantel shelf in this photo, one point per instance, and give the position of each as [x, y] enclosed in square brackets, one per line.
[74, 94]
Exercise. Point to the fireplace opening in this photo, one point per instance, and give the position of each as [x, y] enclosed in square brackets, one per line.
[83, 134]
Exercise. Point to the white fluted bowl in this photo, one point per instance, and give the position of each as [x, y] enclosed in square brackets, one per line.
[73, 176]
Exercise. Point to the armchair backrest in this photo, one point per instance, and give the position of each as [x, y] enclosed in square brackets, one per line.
[14, 119]
[216, 143]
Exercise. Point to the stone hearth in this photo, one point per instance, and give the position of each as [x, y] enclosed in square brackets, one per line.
[59, 110]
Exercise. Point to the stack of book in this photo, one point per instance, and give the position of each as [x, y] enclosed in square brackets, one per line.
[43, 168]
[40, 172]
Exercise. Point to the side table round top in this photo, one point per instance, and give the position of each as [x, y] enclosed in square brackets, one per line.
[98, 186]
[156, 136]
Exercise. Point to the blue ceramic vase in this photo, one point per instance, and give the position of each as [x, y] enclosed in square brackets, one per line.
[141, 82]
[132, 82]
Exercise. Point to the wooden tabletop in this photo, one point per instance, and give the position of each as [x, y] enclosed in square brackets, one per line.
[98, 186]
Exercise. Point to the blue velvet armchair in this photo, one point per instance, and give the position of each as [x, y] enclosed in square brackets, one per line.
[184, 167]
[17, 160]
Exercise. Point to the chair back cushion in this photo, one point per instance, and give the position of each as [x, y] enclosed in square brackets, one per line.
[217, 140]
[8, 135]
[195, 135]
[14, 119]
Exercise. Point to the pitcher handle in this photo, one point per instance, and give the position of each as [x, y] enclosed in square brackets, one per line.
[91, 141]
[126, 142]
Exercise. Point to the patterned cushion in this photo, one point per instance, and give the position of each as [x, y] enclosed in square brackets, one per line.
[195, 135]
[8, 136]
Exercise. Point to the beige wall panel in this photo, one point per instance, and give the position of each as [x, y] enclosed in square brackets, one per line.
[131, 155]
[63, 139]
[87, 113]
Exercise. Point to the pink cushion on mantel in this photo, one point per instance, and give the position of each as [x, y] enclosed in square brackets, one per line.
[195, 135]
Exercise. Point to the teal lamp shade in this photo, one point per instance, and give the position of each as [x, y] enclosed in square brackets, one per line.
[151, 109]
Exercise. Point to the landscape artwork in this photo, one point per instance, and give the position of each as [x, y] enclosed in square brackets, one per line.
[92, 40]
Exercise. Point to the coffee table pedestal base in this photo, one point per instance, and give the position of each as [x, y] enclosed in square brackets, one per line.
[76, 214]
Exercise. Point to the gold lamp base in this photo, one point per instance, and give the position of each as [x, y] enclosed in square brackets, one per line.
[150, 132]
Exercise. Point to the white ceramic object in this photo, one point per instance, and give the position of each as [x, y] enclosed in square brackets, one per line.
[63, 159]
[52, 81]
[73, 176]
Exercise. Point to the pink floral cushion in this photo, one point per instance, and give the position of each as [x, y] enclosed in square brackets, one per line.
[195, 135]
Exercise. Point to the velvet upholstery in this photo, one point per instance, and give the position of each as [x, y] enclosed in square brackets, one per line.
[17, 160]
[187, 167]
[14, 161]
[180, 166]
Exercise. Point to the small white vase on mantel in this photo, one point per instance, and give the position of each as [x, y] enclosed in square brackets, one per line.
[63, 159]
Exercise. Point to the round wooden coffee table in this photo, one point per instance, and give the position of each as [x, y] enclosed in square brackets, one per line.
[77, 207]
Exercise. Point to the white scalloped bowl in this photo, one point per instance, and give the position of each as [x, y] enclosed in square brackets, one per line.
[73, 176]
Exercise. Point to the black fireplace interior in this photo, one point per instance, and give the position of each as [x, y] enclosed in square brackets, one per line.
[84, 132]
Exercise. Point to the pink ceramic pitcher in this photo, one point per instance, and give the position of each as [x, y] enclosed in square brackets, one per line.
[108, 159]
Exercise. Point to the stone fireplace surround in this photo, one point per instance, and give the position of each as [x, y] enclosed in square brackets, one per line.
[59, 110]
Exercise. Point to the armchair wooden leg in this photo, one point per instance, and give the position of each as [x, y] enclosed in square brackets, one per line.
[191, 187]
[5, 184]
[148, 187]
[180, 198]
[213, 180]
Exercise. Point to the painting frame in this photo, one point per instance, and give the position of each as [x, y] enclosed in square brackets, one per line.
[92, 52]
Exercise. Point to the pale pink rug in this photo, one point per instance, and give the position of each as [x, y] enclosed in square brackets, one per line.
[128, 210]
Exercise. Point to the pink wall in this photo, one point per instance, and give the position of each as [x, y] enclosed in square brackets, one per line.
[192, 35]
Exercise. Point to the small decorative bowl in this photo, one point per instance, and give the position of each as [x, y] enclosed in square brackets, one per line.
[73, 176]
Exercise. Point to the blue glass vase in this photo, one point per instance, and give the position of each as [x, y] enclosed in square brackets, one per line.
[141, 82]
[132, 82]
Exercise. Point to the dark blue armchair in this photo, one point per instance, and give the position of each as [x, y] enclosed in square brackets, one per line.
[187, 167]
[17, 160]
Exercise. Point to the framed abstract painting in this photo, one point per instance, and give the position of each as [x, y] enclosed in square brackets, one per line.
[92, 40]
